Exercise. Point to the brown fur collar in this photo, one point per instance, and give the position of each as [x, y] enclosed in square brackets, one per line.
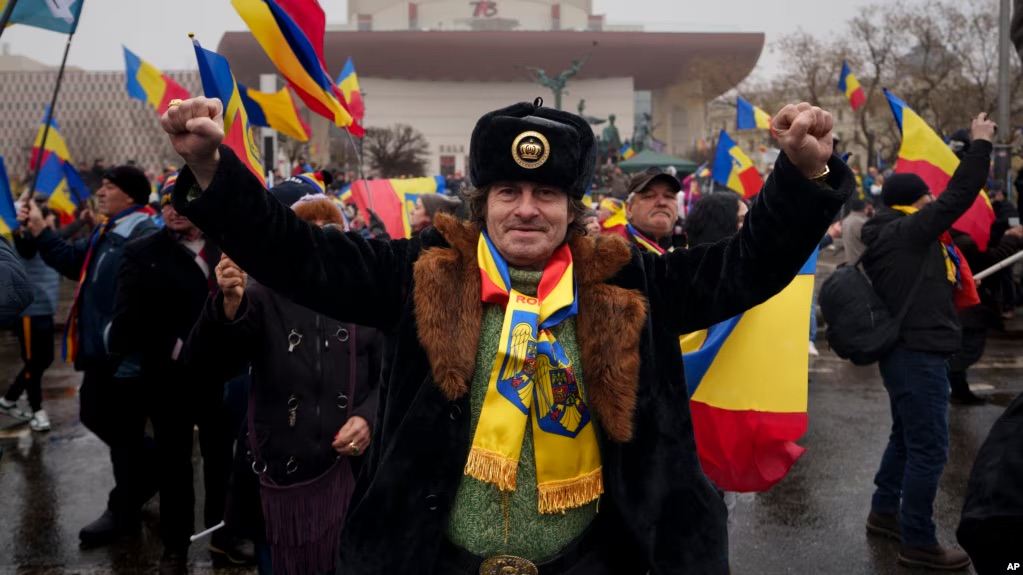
[447, 299]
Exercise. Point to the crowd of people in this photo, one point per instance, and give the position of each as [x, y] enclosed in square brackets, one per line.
[447, 404]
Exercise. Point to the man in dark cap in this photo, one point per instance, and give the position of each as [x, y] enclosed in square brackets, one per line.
[911, 261]
[110, 388]
[535, 369]
[651, 207]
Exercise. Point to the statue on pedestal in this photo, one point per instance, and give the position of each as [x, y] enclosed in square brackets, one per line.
[557, 84]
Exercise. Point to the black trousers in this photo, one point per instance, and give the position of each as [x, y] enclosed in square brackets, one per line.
[974, 342]
[116, 410]
[35, 339]
[179, 409]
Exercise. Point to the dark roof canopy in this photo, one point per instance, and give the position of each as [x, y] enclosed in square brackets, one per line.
[653, 59]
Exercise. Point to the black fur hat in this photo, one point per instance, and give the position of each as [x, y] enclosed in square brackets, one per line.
[527, 142]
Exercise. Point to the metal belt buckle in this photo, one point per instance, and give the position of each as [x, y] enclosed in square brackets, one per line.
[508, 565]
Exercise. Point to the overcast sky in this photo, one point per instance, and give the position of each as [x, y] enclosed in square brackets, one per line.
[157, 30]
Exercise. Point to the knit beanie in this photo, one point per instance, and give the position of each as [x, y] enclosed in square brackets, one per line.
[434, 203]
[903, 190]
[132, 181]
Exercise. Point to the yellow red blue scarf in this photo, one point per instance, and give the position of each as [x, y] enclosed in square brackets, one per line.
[643, 241]
[532, 375]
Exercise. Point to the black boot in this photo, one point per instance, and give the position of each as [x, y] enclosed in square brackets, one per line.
[107, 529]
[174, 561]
[961, 394]
[234, 549]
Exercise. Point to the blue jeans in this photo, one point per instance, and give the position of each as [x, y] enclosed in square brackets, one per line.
[813, 318]
[914, 460]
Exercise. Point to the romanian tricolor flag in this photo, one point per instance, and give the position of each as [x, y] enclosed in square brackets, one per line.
[747, 418]
[55, 144]
[626, 152]
[348, 82]
[146, 83]
[925, 154]
[734, 169]
[276, 111]
[8, 215]
[291, 33]
[394, 200]
[218, 82]
[616, 223]
[849, 85]
[750, 117]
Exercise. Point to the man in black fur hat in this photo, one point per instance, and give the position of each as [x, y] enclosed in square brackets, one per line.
[536, 370]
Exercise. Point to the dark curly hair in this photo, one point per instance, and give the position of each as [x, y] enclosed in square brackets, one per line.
[476, 199]
[713, 218]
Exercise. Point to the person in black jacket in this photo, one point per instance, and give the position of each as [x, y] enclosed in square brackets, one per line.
[162, 286]
[111, 397]
[309, 420]
[531, 165]
[903, 242]
[976, 320]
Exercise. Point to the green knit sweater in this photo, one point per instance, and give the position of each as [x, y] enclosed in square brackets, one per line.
[477, 522]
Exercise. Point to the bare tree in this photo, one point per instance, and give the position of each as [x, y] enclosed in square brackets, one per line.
[396, 151]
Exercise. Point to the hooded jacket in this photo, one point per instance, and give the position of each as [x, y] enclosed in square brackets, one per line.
[900, 246]
[632, 307]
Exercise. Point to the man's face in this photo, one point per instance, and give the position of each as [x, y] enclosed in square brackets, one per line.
[111, 200]
[741, 218]
[592, 225]
[526, 221]
[872, 171]
[419, 219]
[175, 221]
[654, 210]
[603, 213]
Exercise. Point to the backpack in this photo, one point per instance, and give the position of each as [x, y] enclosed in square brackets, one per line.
[860, 326]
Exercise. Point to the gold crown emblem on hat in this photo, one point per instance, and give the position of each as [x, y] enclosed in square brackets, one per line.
[530, 150]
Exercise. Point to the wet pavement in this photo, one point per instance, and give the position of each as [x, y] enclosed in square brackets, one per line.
[51, 484]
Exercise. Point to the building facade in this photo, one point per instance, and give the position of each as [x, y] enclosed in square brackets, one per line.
[96, 117]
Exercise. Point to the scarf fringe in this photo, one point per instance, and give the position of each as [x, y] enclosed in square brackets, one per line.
[558, 496]
[491, 467]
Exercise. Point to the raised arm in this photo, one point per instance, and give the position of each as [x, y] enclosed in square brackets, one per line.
[338, 274]
[969, 178]
[698, 287]
[65, 256]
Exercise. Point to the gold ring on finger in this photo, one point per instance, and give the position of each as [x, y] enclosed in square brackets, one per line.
[174, 102]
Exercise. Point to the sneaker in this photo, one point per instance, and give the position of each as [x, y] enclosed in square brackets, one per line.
[813, 350]
[884, 525]
[11, 409]
[40, 421]
[934, 557]
[234, 549]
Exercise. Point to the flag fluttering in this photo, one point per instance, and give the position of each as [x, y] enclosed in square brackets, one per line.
[8, 216]
[395, 200]
[276, 111]
[348, 82]
[850, 86]
[734, 169]
[148, 84]
[750, 117]
[55, 144]
[219, 82]
[747, 419]
[291, 33]
[922, 152]
[626, 152]
[56, 15]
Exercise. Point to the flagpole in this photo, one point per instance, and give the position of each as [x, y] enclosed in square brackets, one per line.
[49, 114]
[358, 157]
[6, 18]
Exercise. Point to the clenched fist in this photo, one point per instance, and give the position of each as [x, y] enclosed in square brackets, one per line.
[983, 128]
[804, 132]
[196, 130]
[231, 280]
